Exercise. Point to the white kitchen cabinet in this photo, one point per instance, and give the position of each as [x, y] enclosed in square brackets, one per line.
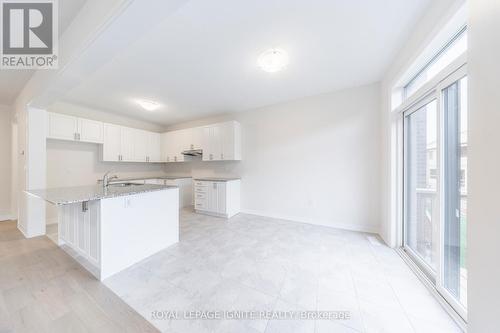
[64, 127]
[119, 144]
[212, 145]
[190, 138]
[111, 150]
[180, 138]
[154, 147]
[222, 142]
[141, 146]
[90, 131]
[185, 186]
[167, 147]
[218, 198]
[196, 136]
[128, 136]
[147, 146]
[173, 144]
[230, 133]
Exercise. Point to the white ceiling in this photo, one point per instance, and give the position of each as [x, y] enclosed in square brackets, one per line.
[13, 81]
[202, 60]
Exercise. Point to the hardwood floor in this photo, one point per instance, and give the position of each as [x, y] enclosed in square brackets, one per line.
[42, 289]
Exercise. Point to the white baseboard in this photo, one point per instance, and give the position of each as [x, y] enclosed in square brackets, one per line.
[6, 216]
[345, 226]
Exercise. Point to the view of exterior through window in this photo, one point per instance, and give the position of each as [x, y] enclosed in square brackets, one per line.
[422, 228]
[455, 166]
[435, 188]
[435, 144]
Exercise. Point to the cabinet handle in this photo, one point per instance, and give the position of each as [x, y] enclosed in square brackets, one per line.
[175, 158]
[221, 156]
[168, 158]
[192, 146]
[78, 136]
[211, 157]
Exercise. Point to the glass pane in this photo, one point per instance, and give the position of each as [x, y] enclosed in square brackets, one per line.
[449, 53]
[455, 190]
[422, 214]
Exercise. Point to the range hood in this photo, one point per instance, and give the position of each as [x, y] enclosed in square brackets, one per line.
[193, 152]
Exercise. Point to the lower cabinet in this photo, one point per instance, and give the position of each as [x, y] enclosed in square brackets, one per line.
[218, 198]
[185, 188]
[79, 226]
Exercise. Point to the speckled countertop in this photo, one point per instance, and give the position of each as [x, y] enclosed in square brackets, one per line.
[217, 179]
[150, 177]
[70, 195]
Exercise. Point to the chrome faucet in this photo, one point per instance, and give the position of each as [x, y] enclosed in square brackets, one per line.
[106, 179]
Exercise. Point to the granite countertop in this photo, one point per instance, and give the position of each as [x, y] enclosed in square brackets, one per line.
[217, 179]
[70, 195]
[149, 177]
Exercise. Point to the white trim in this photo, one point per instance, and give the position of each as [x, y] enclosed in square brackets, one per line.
[372, 229]
[445, 83]
[432, 289]
[432, 91]
[430, 86]
[6, 216]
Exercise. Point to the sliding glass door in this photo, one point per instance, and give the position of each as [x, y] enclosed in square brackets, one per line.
[435, 187]
[422, 215]
[453, 280]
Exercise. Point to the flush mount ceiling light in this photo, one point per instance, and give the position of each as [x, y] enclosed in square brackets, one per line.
[147, 104]
[273, 60]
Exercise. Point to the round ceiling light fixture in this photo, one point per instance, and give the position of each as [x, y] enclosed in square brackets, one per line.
[148, 104]
[273, 60]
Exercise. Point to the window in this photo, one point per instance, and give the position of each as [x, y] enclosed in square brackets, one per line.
[455, 191]
[451, 51]
[435, 187]
[421, 228]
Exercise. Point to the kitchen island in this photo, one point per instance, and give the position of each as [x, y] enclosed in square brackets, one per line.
[107, 229]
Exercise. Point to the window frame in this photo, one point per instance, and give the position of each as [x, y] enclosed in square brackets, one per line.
[432, 61]
[432, 89]
[459, 74]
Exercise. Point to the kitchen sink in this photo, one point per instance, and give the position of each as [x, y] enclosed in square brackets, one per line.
[123, 184]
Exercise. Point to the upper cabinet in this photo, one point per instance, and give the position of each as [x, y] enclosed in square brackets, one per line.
[124, 144]
[218, 142]
[154, 147]
[172, 147]
[222, 142]
[112, 148]
[63, 127]
[90, 131]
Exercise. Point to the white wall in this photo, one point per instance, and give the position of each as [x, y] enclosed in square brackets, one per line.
[314, 160]
[432, 22]
[484, 165]
[5, 162]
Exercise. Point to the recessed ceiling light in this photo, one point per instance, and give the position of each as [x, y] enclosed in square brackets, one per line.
[273, 60]
[147, 104]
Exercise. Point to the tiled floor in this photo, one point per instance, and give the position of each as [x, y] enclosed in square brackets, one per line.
[255, 263]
